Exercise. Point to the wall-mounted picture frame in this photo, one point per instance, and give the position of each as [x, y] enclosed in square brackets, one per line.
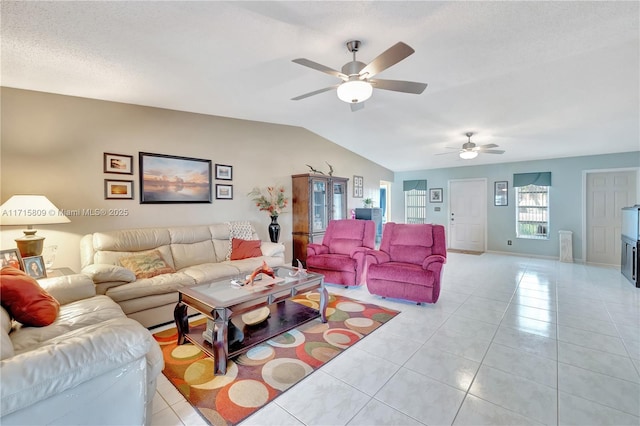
[166, 179]
[11, 257]
[115, 189]
[118, 163]
[501, 193]
[358, 186]
[224, 172]
[34, 267]
[224, 192]
[435, 195]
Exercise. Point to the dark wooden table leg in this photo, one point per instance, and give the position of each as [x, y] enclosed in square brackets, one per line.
[182, 321]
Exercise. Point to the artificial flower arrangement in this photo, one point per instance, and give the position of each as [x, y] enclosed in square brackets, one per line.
[273, 203]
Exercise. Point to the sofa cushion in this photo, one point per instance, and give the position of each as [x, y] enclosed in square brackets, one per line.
[343, 245]
[147, 264]
[113, 257]
[195, 253]
[6, 347]
[243, 249]
[160, 284]
[25, 300]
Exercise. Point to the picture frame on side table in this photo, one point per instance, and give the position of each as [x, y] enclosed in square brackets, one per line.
[11, 257]
[358, 186]
[501, 193]
[34, 267]
[435, 195]
[166, 179]
[224, 172]
[118, 163]
[115, 189]
[224, 192]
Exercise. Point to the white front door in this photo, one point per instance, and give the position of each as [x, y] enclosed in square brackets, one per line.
[467, 214]
[606, 194]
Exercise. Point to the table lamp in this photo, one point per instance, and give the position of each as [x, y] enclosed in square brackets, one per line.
[30, 210]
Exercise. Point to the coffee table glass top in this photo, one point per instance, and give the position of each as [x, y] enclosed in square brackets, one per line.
[223, 293]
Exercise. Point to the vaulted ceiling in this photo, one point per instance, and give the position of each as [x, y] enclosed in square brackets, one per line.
[539, 79]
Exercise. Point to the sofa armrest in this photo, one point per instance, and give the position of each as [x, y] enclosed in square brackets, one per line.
[69, 288]
[314, 249]
[272, 249]
[434, 258]
[359, 252]
[377, 256]
[103, 273]
[69, 360]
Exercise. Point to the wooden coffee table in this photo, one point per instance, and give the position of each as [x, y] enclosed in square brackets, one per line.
[224, 303]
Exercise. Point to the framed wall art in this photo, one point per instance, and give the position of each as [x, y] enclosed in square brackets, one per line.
[172, 179]
[224, 172]
[11, 257]
[435, 195]
[118, 163]
[224, 192]
[115, 189]
[358, 186]
[34, 266]
[501, 193]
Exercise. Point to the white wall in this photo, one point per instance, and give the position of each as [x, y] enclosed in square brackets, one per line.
[54, 145]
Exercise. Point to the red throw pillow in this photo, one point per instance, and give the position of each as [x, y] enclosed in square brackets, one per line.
[25, 300]
[243, 249]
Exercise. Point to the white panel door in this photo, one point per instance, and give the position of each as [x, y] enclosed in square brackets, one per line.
[467, 214]
[607, 194]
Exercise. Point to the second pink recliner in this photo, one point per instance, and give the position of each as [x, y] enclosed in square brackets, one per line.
[409, 263]
[340, 257]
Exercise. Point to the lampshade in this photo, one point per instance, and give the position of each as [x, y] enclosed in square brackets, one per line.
[354, 91]
[468, 155]
[29, 210]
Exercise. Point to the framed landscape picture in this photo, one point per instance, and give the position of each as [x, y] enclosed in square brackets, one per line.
[118, 163]
[173, 179]
[118, 189]
[224, 172]
[224, 192]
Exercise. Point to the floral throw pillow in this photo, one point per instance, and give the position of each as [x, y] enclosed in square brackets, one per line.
[147, 264]
[242, 230]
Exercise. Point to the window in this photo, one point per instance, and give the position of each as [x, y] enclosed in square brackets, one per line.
[532, 212]
[415, 201]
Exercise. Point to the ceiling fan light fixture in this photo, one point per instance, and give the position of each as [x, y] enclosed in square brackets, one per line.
[468, 155]
[354, 91]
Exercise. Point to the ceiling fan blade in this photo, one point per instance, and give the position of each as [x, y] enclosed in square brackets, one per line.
[445, 153]
[389, 57]
[357, 106]
[488, 146]
[399, 85]
[492, 151]
[319, 67]
[316, 92]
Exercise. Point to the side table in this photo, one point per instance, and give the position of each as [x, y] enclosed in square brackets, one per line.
[59, 272]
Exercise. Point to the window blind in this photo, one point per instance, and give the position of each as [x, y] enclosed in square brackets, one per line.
[408, 185]
[525, 179]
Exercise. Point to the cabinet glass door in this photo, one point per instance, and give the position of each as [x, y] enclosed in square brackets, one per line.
[339, 205]
[319, 208]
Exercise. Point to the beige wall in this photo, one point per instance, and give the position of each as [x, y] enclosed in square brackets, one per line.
[53, 145]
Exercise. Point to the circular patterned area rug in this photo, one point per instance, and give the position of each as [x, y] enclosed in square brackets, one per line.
[266, 371]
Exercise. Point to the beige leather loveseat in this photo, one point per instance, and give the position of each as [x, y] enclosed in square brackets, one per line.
[197, 254]
[92, 365]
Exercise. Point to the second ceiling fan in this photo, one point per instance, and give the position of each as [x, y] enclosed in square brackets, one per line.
[470, 150]
[357, 83]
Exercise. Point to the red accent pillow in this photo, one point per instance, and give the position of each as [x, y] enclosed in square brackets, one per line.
[243, 249]
[25, 300]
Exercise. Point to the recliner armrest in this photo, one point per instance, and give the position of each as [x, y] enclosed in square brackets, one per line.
[377, 256]
[313, 249]
[434, 258]
[358, 252]
[69, 288]
[102, 273]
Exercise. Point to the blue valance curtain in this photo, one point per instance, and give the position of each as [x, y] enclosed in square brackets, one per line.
[524, 179]
[408, 185]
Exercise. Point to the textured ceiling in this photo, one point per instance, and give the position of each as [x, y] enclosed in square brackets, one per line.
[540, 79]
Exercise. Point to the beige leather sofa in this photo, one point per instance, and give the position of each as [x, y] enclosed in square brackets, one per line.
[197, 253]
[93, 365]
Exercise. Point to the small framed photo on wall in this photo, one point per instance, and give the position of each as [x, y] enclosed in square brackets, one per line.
[118, 189]
[118, 163]
[224, 172]
[435, 195]
[224, 192]
[358, 186]
[501, 193]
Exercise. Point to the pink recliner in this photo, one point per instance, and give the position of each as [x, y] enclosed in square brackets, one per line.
[409, 263]
[340, 257]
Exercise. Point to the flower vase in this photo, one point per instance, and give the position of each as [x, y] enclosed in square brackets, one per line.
[274, 229]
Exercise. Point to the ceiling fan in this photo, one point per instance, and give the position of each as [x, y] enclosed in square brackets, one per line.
[470, 150]
[357, 83]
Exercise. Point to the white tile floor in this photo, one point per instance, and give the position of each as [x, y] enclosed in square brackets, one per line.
[512, 341]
